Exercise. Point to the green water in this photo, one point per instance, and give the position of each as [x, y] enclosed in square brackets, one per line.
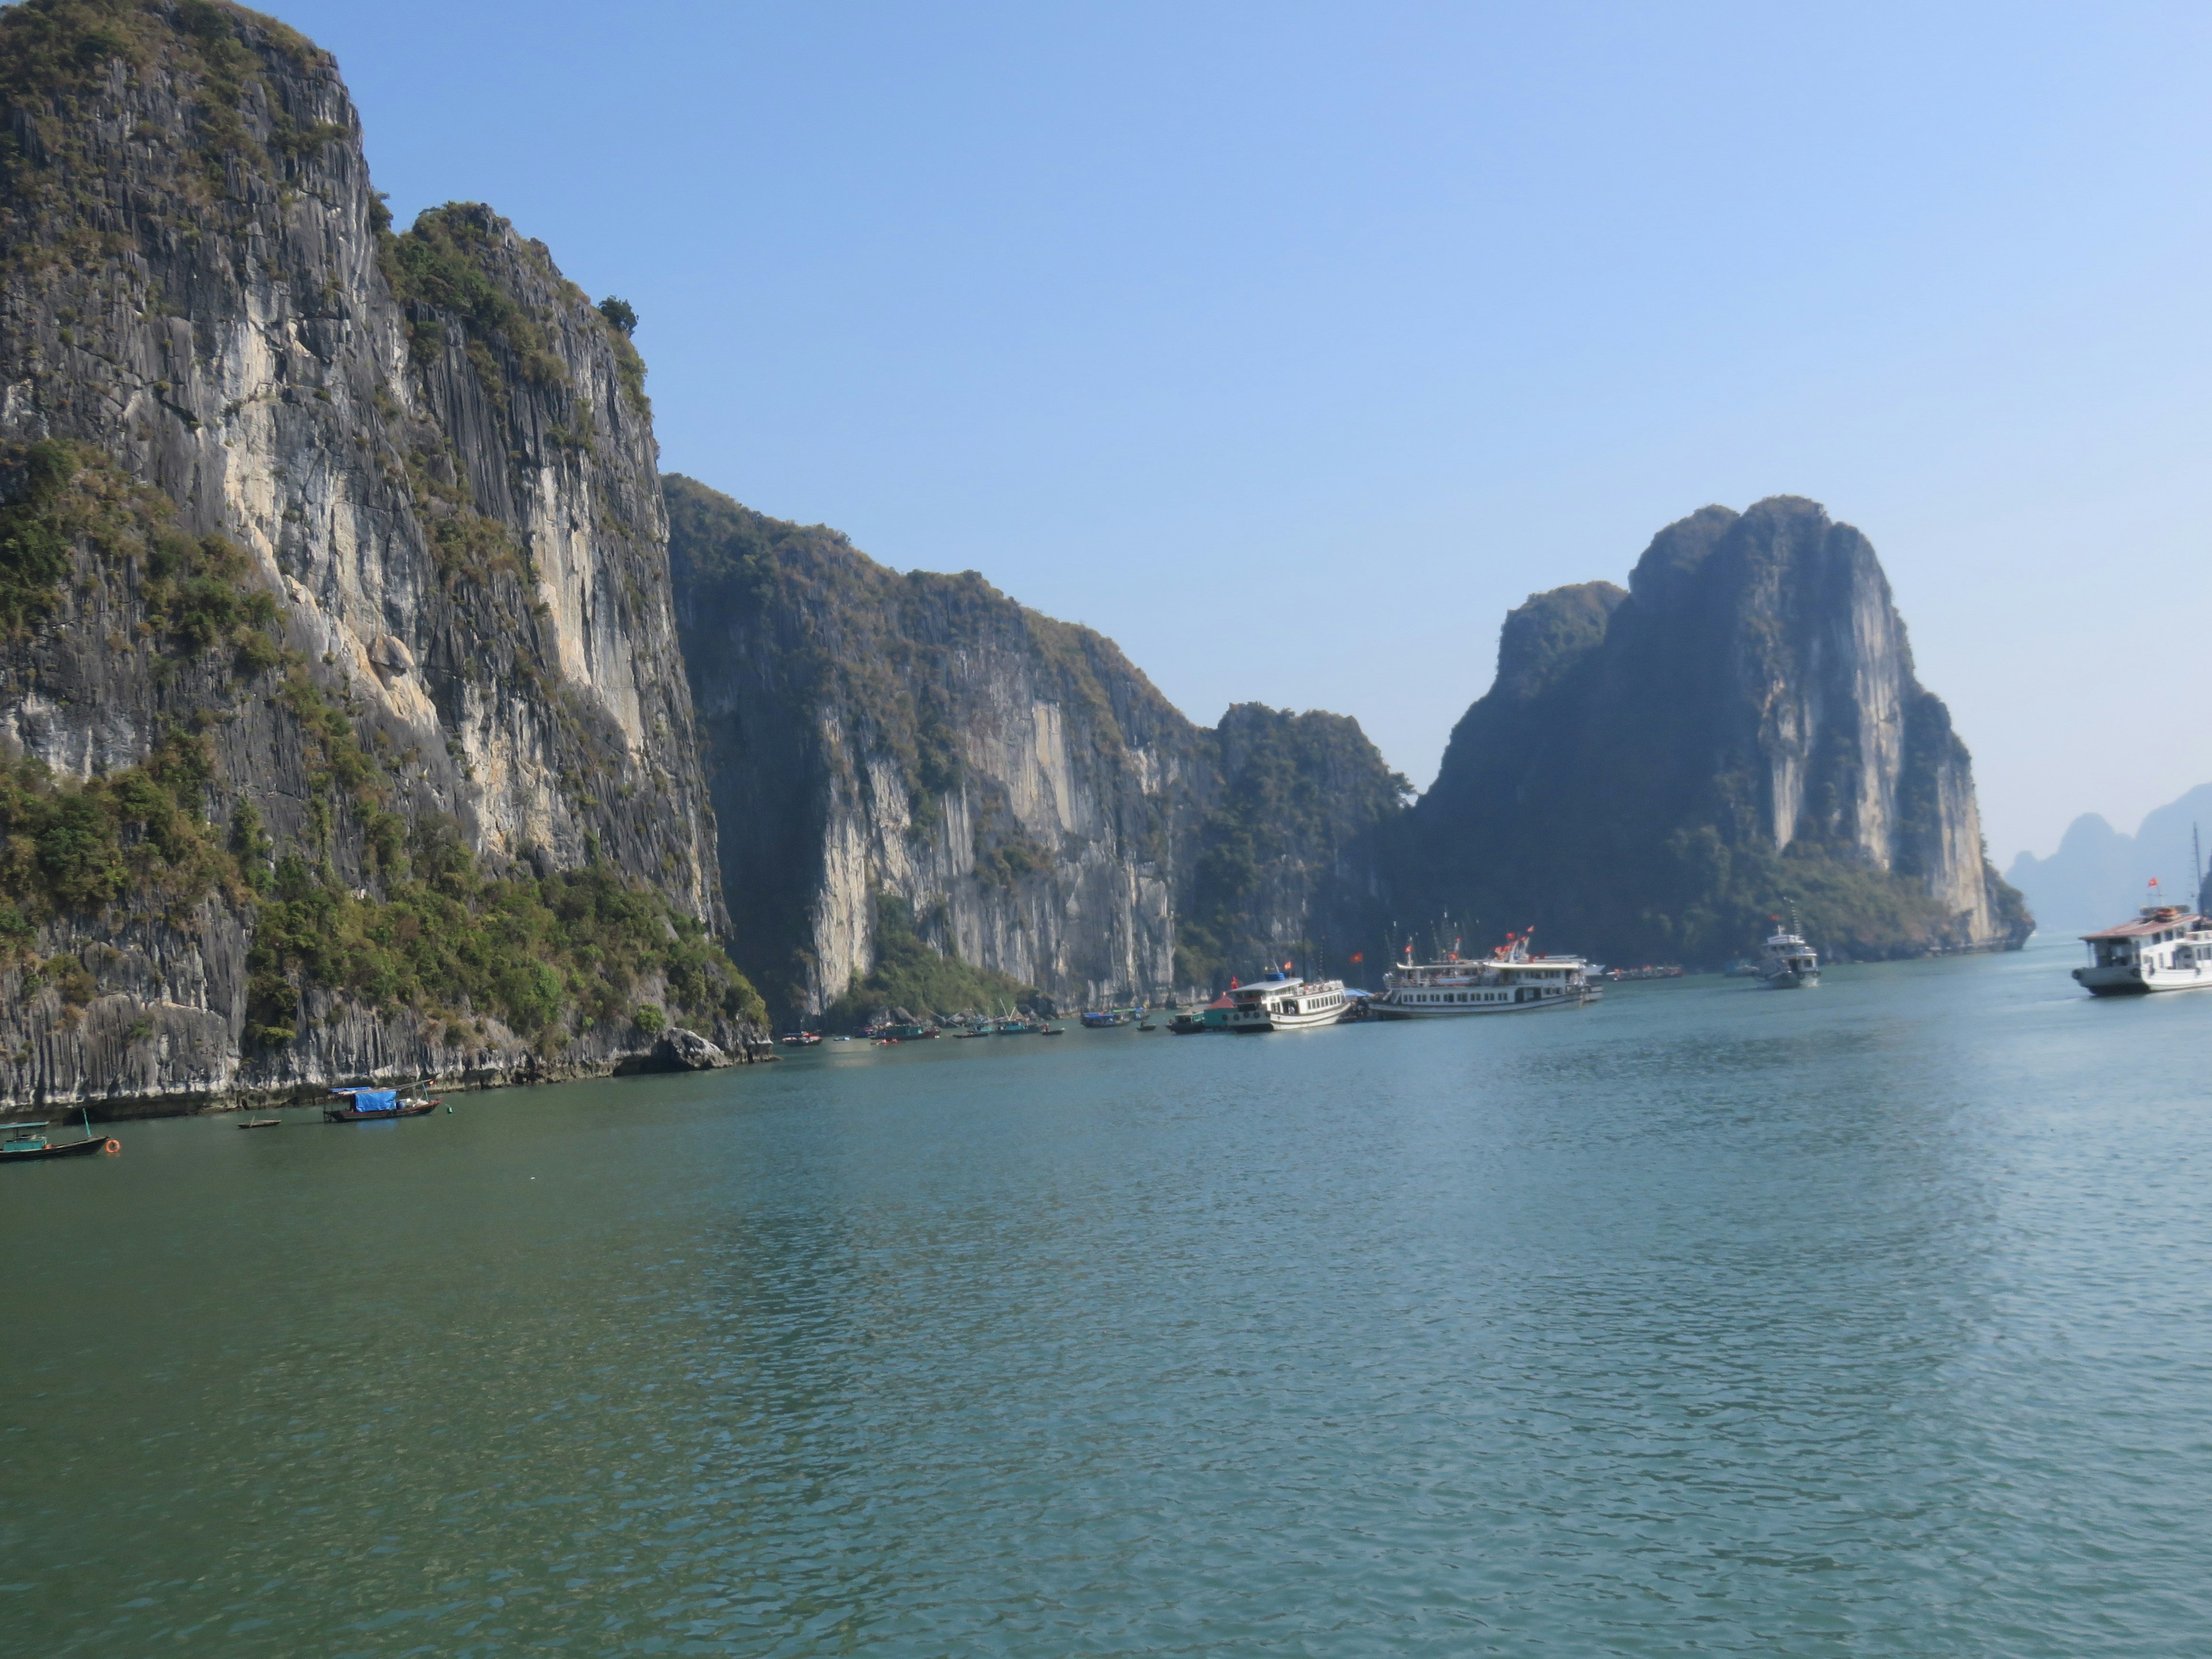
[1871, 1319]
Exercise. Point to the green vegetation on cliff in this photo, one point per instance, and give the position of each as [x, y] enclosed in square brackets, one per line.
[1298, 790]
[548, 954]
[544, 954]
[55, 54]
[912, 974]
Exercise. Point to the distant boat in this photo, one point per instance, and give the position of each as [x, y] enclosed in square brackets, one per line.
[800, 1039]
[1510, 979]
[1790, 963]
[263, 1123]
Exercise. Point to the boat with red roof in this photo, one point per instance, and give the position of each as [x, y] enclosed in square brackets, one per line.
[2165, 948]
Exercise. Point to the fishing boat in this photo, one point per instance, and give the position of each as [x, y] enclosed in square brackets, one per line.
[1281, 1002]
[1512, 979]
[1099, 1019]
[263, 1123]
[1187, 1024]
[27, 1143]
[2165, 948]
[374, 1106]
[800, 1039]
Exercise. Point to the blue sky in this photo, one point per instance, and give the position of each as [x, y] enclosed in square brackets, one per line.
[1290, 345]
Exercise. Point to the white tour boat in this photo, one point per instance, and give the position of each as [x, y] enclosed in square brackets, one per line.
[1511, 981]
[1790, 963]
[2165, 948]
[1279, 1003]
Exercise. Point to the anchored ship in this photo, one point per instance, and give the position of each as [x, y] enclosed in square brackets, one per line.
[2165, 948]
[1282, 1002]
[1512, 979]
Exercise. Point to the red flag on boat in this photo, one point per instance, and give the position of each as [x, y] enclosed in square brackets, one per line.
[1359, 955]
[1232, 981]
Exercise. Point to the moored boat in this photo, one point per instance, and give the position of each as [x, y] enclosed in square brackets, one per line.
[27, 1143]
[374, 1106]
[1281, 1002]
[2165, 948]
[1512, 979]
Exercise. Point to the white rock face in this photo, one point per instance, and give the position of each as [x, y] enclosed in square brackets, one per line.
[1031, 799]
[450, 489]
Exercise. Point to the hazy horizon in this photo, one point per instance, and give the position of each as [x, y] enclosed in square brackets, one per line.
[1416, 309]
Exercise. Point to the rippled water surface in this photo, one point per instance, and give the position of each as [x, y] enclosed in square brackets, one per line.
[1871, 1319]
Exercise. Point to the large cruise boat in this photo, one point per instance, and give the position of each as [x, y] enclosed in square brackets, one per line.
[1511, 981]
[2165, 948]
[1280, 1003]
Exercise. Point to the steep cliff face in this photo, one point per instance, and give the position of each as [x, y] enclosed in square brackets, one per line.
[338, 580]
[1036, 804]
[1653, 773]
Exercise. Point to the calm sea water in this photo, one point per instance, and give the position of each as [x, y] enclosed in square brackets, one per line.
[1872, 1320]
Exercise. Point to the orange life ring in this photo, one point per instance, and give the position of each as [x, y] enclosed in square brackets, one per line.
[113, 1148]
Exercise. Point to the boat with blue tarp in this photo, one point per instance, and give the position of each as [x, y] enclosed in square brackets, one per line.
[374, 1106]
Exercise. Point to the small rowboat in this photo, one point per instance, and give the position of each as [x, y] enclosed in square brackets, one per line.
[263, 1123]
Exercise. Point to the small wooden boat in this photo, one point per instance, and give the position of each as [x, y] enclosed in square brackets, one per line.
[1050, 1031]
[27, 1143]
[263, 1123]
[375, 1106]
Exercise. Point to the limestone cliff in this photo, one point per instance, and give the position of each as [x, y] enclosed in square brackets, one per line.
[1037, 805]
[1654, 771]
[334, 579]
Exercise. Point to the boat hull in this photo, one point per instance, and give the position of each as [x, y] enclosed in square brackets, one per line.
[1383, 1010]
[346, 1114]
[1796, 979]
[1256, 1025]
[68, 1149]
[2119, 980]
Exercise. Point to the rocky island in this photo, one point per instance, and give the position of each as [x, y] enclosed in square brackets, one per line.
[345, 733]
[1658, 769]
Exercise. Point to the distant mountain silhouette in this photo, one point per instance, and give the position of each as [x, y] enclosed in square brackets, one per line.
[2098, 876]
